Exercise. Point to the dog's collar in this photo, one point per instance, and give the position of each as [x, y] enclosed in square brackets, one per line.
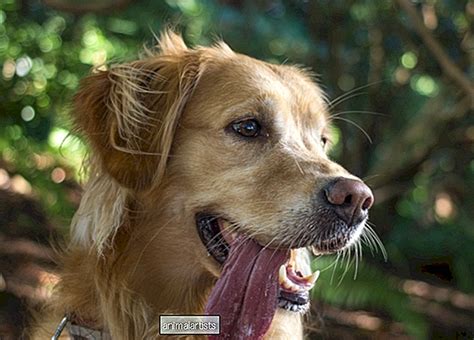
[77, 331]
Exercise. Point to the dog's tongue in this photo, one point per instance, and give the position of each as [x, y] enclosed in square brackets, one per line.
[245, 295]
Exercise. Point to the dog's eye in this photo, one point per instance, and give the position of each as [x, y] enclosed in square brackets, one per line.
[324, 141]
[247, 127]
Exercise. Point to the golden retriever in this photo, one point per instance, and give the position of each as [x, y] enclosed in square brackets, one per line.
[209, 181]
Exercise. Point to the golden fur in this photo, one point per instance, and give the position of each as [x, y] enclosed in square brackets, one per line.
[156, 127]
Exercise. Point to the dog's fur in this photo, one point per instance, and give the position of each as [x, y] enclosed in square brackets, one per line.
[161, 152]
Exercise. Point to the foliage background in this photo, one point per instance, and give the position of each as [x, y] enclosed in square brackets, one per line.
[417, 112]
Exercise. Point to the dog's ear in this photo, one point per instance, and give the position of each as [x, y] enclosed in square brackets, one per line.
[130, 112]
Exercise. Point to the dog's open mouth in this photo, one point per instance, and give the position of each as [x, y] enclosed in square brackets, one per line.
[211, 231]
[294, 277]
[254, 278]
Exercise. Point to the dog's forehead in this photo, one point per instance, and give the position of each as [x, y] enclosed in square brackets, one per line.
[299, 104]
[285, 92]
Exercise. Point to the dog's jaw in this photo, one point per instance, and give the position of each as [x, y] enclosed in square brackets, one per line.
[191, 295]
[195, 279]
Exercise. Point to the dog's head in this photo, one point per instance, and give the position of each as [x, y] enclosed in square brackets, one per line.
[237, 146]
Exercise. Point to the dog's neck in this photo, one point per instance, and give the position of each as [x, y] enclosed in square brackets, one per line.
[147, 269]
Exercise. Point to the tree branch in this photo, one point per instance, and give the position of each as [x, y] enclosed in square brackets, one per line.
[450, 68]
[407, 151]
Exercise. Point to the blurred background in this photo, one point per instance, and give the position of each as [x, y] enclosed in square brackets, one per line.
[399, 74]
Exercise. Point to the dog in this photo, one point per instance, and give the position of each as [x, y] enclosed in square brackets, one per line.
[209, 185]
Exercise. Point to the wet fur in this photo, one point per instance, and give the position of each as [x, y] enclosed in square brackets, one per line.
[160, 154]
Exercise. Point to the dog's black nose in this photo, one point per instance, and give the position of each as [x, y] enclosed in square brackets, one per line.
[350, 198]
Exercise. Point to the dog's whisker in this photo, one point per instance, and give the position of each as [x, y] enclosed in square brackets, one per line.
[335, 265]
[368, 237]
[370, 223]
[231, 228]
[330, 265]
[349, 262]
[340, 113]
[352, 93]
[268, 246]
[377, 240]
[358, 251]
[345, 253]
[370, 177]
[298, 165]
[368, 242]
[339, 260]
[356, 125]
[154, 236]
[343, 100]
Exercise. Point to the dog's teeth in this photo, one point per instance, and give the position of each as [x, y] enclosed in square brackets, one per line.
[313, 277]
[286, 283]
[315, 251]
[302, 262]
[282, 278]
[292, 260]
